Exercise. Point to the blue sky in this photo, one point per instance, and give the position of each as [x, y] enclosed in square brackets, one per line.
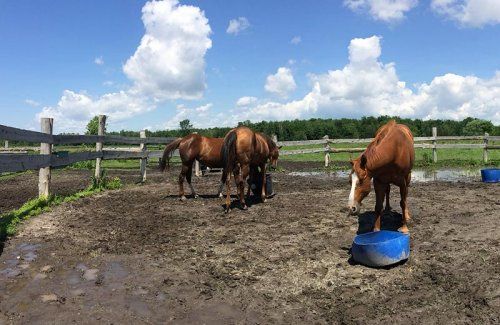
[73, 59]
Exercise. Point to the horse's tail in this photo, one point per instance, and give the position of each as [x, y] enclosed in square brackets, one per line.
[168, 152]
[228, 154]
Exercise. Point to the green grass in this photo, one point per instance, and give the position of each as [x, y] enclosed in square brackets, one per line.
[10, 220]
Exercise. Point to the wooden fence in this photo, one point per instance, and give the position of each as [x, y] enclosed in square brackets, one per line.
[16, 161]
[420, 142]
[19, 159]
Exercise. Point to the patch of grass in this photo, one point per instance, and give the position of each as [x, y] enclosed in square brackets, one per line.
[10, 220]
[8, 176]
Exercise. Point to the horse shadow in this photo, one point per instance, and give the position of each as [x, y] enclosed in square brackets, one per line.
[249, 200]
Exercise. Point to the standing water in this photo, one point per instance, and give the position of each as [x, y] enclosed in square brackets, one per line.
[417, 175]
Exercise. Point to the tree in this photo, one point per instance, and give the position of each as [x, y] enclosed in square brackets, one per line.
[185, 126]
[93, 126]
[478, 127]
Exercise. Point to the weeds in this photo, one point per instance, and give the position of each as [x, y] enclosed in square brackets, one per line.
[10, 220]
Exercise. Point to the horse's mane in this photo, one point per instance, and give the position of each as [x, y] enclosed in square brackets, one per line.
[379, 135]
[270, 142]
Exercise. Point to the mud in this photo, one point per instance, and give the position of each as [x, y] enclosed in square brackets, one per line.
[139, 255]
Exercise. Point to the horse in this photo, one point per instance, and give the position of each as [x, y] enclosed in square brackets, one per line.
[193, 147]
[388, 159]
[260, 170]
[243, 151]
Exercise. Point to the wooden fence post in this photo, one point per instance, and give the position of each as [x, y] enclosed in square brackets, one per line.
[98, 146]
[434, 142]
[6, 144]
[327, 151]
[197, 169]
[275, 138]
[485, 150]
[44, 174]
[144, 161]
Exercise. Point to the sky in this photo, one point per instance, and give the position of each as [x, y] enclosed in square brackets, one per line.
[151, 64]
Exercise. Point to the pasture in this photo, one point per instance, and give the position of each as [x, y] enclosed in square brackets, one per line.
[139, 255]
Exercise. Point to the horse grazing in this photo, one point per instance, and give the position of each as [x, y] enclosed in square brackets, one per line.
[193, 147]
[388, 159]
[243, 151]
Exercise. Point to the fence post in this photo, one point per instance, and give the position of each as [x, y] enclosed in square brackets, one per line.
[485, 150]
[434, 142]
[197, 169]
[144, 161]
[44, 174]
[327, 151]
[98, 146]
[6, 144]
[275, 138]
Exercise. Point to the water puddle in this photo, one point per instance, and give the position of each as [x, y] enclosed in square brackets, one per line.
[417, 175]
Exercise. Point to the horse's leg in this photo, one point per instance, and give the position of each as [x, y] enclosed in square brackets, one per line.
[188, 178]
[240, 178]
[219, 192]
[387, 203]
[404, 208]
[252, 178]
[228, 191]
[263, 190]
[380, 190]
[182, 175]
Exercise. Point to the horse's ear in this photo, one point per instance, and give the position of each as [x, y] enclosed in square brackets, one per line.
[362, 162]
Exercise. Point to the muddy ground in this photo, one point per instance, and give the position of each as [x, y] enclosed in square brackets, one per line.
[139, 255]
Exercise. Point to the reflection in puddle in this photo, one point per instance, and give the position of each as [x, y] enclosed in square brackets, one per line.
[417, 175]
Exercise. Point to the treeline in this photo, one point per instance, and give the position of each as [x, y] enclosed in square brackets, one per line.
[337, 128]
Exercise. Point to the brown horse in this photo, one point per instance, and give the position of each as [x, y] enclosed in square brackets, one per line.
[242, 151]
[388, 159]
[193, 147]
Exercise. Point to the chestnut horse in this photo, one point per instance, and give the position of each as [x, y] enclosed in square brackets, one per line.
[388, 159]
[193, 147]
[244, 150]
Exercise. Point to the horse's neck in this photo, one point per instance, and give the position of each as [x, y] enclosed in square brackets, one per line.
[377, 155]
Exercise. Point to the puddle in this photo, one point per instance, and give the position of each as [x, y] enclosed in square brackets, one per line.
[417, 175]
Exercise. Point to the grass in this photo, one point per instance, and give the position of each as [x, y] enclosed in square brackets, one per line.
[10, 220]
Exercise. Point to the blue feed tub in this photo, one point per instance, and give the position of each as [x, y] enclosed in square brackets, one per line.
[381, 248]
[490, 175]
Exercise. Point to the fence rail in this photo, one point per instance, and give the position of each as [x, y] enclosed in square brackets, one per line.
[18, 159]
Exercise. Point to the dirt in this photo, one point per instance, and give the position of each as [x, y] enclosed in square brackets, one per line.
[139, 255]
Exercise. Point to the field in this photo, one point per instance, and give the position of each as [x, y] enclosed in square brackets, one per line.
[139, 255]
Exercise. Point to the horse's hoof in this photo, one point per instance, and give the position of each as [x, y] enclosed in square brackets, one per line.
[375, 229]
[404, 230]
[264, 200]
[244, 207]
[226, 211]
[221, 196]
[183, 198]
[196, 196]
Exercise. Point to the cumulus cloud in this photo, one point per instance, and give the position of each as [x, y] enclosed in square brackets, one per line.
[99, 60]
[32, 102]
[470, 13]
[385, 10]
[296, 40]
[200, 116]
[246, 101]
[281, 83]
[237, 25]
[169, 63]
[366, 86]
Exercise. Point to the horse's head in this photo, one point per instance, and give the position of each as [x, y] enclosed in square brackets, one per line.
[360, 184]
[274, 154]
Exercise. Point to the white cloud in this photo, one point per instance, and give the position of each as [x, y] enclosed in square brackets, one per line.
[169, 63]
[281, 83]
[108, 83]
[470, 13]
[32, 102]
[246, 101]
[296, 40]
[237, 25]
[368, 87]
[200, 116]
[385, 10]
[99, 60]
